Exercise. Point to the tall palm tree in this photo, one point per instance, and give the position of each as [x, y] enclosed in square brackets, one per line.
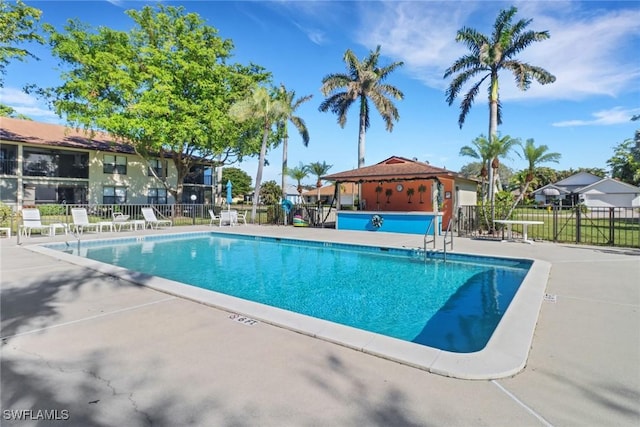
[298, 173]
[263, 107]
[534, 157]
[292, 104]
[363, 82]
[319, 169]
[487, 57]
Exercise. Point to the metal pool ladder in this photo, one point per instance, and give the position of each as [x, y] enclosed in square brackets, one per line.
[431, 238]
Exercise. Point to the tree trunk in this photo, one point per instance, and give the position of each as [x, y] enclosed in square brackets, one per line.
[263, 154]
[285, 146]
[493, 133]
[520, 197]
[361, 145]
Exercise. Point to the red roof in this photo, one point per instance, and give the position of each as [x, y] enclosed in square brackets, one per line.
[394, 168]
[61, 136]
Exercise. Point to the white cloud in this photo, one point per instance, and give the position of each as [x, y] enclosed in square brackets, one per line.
[25, 104]
[591, 51]
[613, 116]
[316, 36]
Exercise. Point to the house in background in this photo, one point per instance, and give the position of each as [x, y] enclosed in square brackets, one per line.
[347, 196]
[590, 190]
[47, 163]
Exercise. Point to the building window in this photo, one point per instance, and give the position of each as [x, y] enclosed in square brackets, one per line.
[55, 163]
[157, 196]
[157, 166]
[115, 164]
[114, 195]
[8, 159]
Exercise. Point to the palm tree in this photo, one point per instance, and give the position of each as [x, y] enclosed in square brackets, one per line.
[479, 150]
[298, 173]
[288, 98]
[534, 157]
[363, 82]
[498, 147]
[319, 169]
[266, 109]
[488, 57]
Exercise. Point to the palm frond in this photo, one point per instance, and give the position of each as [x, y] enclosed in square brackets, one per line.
[467, 102]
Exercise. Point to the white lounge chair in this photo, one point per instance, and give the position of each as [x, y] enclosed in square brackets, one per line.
[81, 221]
[214, 217]
[152, 221]
[31, 221]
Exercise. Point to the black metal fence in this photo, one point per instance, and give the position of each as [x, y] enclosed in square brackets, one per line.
[595, 226]
[578, 224]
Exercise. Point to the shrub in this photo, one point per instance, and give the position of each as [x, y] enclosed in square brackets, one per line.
[50, 210]
[5, 213]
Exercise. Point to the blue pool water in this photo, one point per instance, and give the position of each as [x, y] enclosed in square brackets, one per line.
[453, 305]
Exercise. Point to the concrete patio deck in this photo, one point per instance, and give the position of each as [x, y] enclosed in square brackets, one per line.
[113, 353]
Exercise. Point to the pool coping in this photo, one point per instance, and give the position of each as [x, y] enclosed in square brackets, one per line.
[505, 354]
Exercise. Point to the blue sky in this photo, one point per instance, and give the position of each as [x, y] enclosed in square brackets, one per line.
[593, 51]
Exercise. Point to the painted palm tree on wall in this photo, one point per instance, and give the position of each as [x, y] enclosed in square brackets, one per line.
[266, 109]
[487, 57]
[291, 106]
[363, 83]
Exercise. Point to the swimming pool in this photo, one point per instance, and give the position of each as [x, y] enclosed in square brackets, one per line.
[453, 305]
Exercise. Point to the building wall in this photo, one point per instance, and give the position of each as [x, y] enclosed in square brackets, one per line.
[19, 190]
[136, 179]
[399, 201]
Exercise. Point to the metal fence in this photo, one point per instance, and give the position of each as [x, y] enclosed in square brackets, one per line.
[180, 214]
[578, 224]
[595, 226]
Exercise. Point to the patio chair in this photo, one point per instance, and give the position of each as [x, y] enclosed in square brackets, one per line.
[81, 221]
[214, 217]
[152, 221]
[120, 220]
[242, 216]
[228, 217]
[31, 221]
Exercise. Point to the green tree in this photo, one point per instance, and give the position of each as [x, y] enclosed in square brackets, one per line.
[487, 57]
[18, 25]
[270, 193]
[490, 55]
[534, 155]
[545, 175]
[7, 111]
[292, 104]
[298, 173]
[625, 163]
[319, 169]
[240, 180]
[479, 150]
[164, 87]
[264, 110]
[363, 81]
